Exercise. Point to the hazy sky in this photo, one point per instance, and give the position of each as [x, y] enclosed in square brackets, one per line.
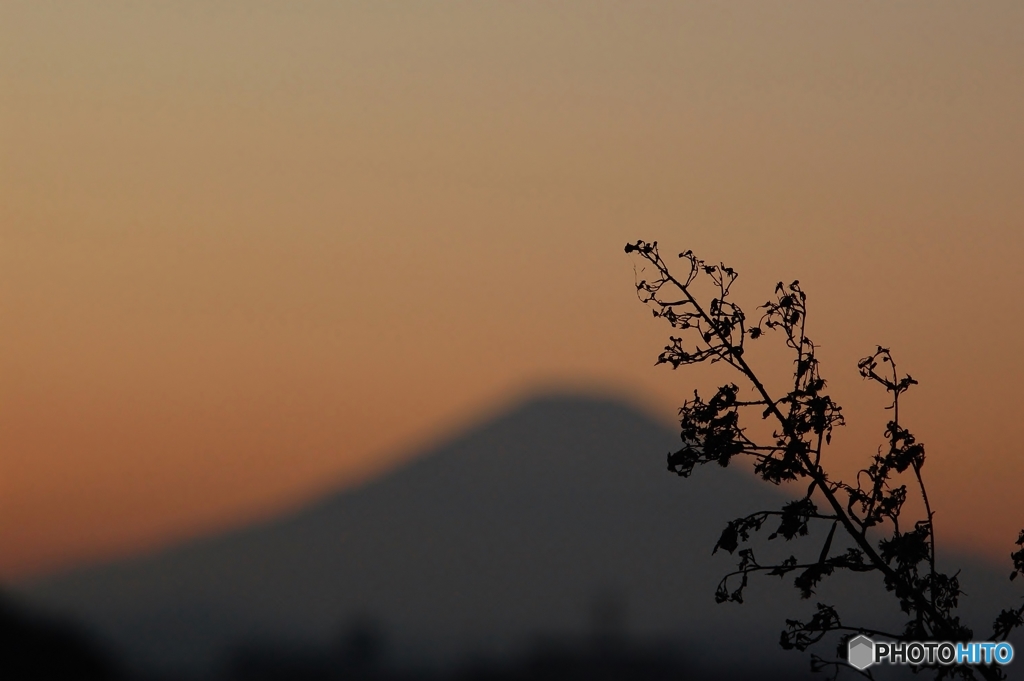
[252, 251]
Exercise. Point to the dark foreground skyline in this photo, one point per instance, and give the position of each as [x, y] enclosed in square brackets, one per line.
[36, 648]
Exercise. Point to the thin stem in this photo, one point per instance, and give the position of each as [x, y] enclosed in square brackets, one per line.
[920, 483]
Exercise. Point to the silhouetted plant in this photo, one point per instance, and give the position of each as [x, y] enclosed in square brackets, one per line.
[868, 512]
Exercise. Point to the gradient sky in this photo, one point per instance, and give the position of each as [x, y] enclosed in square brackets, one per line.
[253, 251]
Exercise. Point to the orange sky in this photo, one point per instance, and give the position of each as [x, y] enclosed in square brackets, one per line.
[252, 251]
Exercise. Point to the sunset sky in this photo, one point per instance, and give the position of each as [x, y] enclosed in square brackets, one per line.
[251, 252]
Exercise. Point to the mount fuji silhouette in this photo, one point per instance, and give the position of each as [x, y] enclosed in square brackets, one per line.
[520, 528]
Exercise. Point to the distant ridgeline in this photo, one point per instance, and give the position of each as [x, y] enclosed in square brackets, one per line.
[510, 548]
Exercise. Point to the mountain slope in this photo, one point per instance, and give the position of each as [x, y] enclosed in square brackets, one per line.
[514, 529]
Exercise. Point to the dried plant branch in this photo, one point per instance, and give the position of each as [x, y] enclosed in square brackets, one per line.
[867, 511]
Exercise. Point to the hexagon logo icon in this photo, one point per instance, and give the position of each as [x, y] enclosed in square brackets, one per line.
[860, 652]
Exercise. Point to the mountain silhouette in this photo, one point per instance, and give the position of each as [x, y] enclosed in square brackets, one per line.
[556, 519]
